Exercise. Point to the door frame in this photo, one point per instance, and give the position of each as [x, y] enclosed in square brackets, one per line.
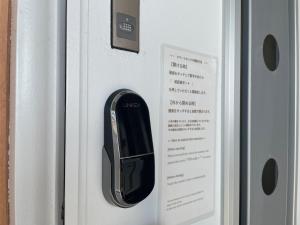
[231, 114]
[37, 107]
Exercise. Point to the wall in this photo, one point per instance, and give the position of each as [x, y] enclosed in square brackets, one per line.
[4, 90]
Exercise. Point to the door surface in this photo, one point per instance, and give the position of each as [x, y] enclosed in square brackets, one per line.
[95, 70]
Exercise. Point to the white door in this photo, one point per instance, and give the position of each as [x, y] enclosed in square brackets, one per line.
[168, 28]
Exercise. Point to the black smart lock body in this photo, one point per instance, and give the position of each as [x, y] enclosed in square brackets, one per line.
[128, 155]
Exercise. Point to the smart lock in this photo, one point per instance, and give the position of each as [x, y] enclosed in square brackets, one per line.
[128, 155]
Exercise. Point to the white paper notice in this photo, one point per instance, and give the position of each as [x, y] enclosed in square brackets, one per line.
[188, 136]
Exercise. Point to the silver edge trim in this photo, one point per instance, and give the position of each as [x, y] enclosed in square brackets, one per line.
[130, 157]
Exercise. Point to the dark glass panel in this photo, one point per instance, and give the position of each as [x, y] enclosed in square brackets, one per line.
[134, 126]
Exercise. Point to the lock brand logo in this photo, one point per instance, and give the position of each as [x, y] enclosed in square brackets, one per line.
[131, 105]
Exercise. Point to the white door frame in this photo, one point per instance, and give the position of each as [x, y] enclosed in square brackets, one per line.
[36, 179]
[231, 119]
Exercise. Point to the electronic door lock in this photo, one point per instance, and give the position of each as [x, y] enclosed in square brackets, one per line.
[128, 155]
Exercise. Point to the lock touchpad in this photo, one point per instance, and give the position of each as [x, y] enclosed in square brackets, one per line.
[133, 126]
[137, 178]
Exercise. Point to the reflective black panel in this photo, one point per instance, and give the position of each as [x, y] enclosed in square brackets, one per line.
[137, 178]
[134, 126]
